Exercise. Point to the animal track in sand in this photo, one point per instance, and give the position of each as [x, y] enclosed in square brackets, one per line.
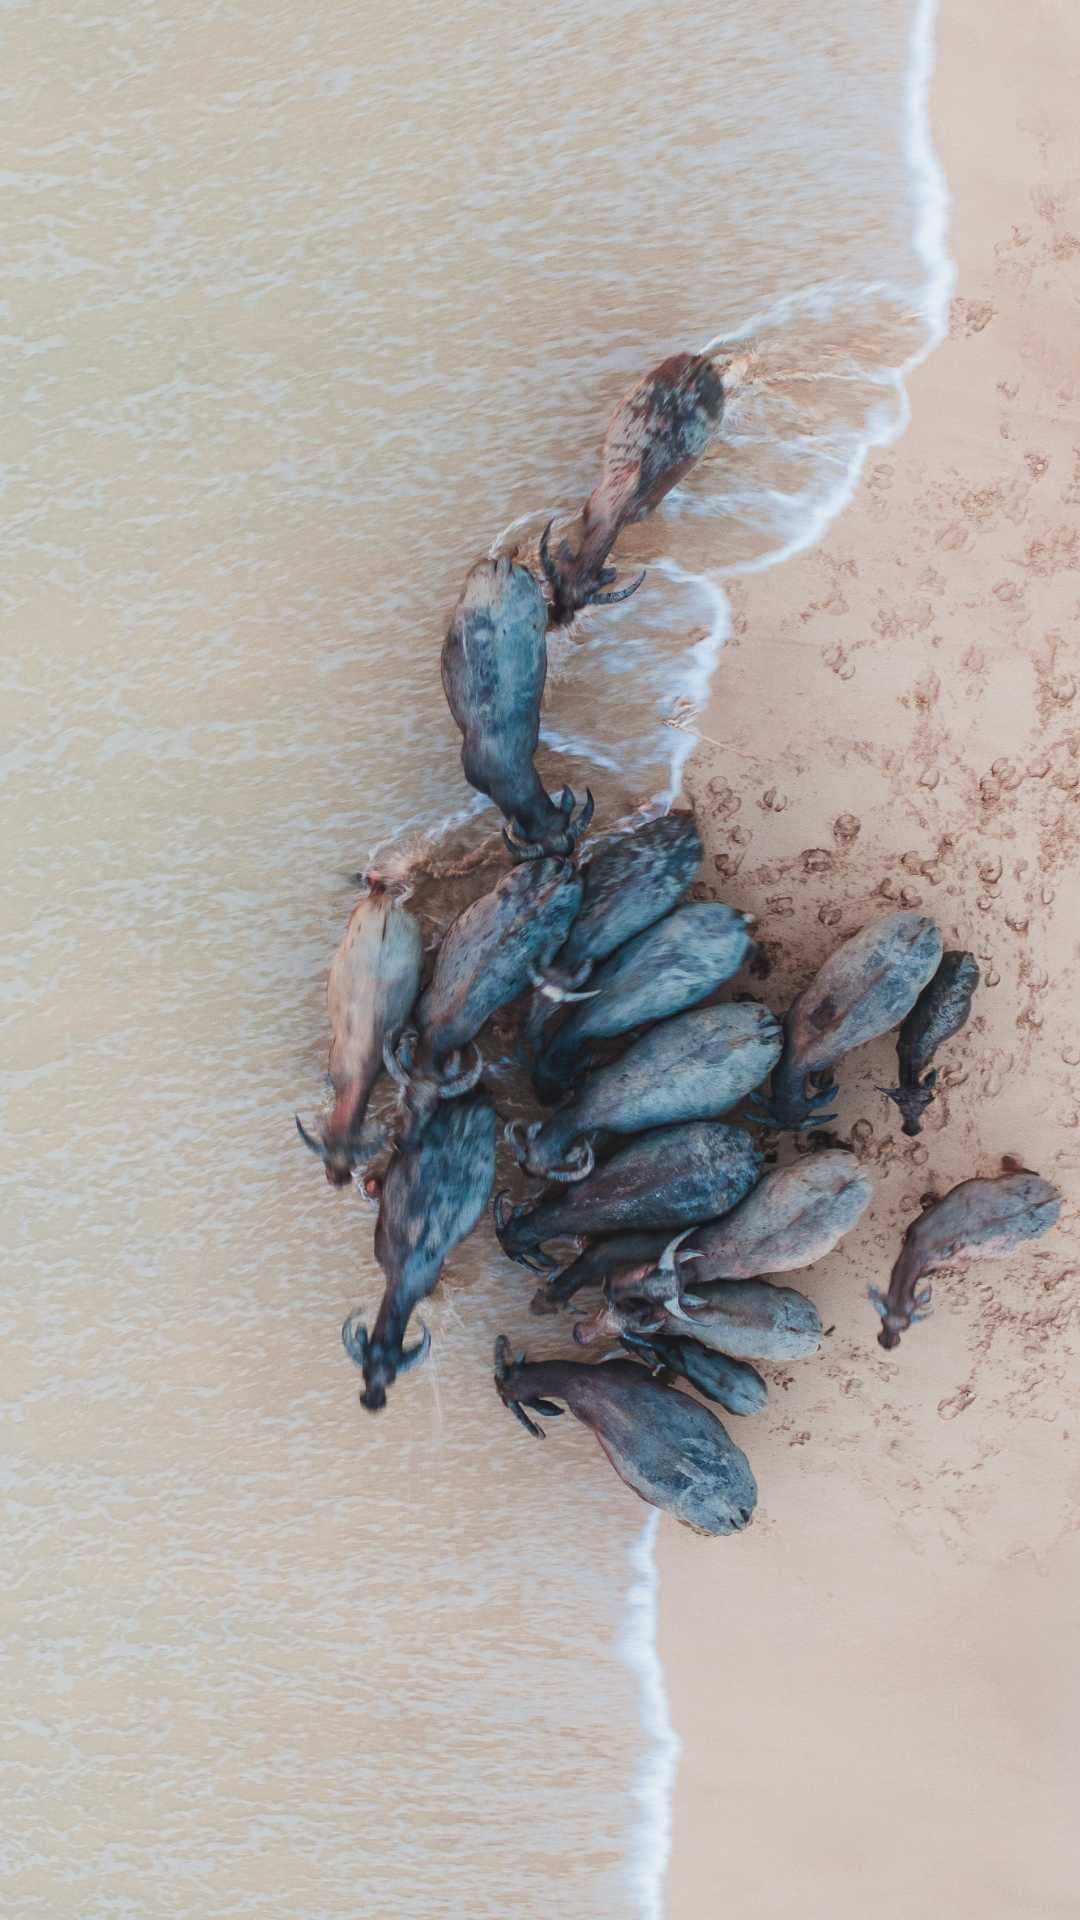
[959, 1402]
[1058, 551]
[723, 800]
[955, 538]
[1070, 496]
[967, 317]
[817, 860]
[836, 659]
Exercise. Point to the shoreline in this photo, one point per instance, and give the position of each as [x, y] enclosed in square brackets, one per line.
[886, 1643]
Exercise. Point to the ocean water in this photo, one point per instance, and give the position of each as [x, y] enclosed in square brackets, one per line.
[301, 314]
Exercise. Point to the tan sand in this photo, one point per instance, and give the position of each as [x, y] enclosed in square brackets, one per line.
[877, 1688]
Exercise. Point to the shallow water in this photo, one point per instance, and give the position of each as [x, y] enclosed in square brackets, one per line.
[301, 315]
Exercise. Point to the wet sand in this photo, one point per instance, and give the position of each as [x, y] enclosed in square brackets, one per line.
[877, 1688]
[300, 316]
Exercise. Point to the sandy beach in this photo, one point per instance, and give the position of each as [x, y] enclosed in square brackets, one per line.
[877, 1688]
[302, 312]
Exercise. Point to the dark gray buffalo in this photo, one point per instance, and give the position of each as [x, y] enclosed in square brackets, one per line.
[942, 1008]
[492, 953]
[665, 969]
[864, 989]
[494, 665]
[673, 1177]
[432, 1197]
[630, 882]
[978, 1220]
[794, 1217]
[670, 1449]
[734, 1385]
[746, 1319]
[601, 1256]
[694, 1067]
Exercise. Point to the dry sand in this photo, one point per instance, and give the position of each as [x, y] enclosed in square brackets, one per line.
[877, 1688]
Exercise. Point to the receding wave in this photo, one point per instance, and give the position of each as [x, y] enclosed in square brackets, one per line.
[330, 311]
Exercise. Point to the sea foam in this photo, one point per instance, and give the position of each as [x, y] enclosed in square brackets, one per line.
[649, 1845]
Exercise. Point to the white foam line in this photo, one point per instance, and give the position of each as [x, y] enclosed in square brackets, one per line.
[649, 1845]
[935, 204]
[654, 1786]
[653, 1792]
[698, 667]
[886, 423]
[930, 241]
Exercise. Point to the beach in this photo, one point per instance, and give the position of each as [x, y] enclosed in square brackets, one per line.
[304, 314]
[877, 1688]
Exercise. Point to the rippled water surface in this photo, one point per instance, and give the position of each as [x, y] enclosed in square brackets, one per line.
[301, 312]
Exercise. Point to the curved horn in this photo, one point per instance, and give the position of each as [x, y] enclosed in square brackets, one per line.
[546, 981]
[412, 1356]
[588, 809]
[518, 1140]
[521, 849]
[317, 1147]
[536, 1261]
[354, 1339]
[666, 1262]
[393, 1065]
[505, 1368]
[586, 1162]
[459, 1083]
[620, 593]
[501, 1210]
[519, 1413]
